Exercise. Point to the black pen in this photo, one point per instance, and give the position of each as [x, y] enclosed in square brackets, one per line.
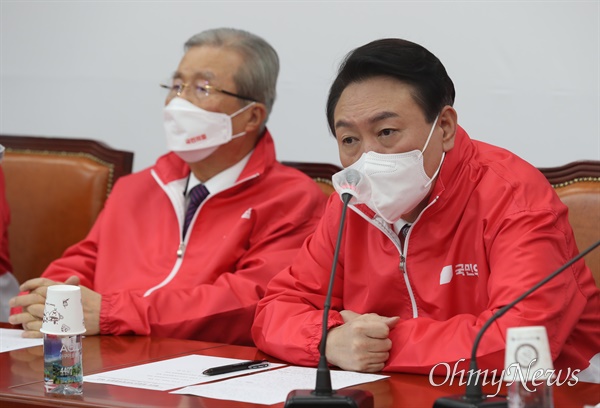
[245, 365]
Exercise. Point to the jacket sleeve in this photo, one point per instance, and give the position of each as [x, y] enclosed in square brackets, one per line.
[78, 260]
[224, 306]
[5, 265]
[288, 321]
[521, 251]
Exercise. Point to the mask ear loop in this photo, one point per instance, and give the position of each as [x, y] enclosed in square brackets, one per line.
[430, 133]
[425, 147]
[437, 171]
[237, 113]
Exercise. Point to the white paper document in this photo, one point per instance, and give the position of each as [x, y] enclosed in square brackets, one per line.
[170, 374]
[272, 387]
[10, 339]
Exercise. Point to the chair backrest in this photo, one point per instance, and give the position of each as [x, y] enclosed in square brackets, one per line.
[55, 188]
[320, 172]
[578, 186]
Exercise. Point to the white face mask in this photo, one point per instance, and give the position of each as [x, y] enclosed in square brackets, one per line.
[392, 184]
[194, 133]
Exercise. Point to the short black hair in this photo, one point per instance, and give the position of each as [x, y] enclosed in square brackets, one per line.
[400, 59]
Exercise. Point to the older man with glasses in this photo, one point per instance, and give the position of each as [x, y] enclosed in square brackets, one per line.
[185, 248]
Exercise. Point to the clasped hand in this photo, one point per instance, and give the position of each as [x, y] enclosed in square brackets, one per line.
[362, 343]
[33, 303]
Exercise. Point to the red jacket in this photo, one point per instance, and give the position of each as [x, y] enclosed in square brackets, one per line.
[5, 265]
[240, 239]
[493, 228]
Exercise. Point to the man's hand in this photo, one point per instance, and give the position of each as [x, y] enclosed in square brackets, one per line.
[33, 304]
[91, 302]
[361, 343]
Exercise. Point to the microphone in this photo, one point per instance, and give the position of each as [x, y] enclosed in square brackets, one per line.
[473, 397]
[323, 395]
[348, 187]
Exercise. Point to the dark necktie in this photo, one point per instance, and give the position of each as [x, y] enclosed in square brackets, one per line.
[403, 234]
[197, 195]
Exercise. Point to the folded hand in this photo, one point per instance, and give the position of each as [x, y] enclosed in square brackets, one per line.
[362, 343]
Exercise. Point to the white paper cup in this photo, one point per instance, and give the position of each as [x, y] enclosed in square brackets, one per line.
[527, 355]
[63, 313]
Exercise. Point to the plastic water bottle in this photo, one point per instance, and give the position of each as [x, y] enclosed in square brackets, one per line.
[63, 370]
[528, 368]
[529, 395]
[62, 325]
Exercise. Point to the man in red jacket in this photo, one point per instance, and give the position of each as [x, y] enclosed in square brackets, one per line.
[186, 248]
[447, 231]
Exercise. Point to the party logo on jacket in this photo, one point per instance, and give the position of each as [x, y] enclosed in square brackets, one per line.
[450, 271]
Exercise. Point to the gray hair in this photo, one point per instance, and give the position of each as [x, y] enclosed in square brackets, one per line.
[257, 77]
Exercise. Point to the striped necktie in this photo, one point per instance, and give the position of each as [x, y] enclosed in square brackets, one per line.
[197, 195]
[403, 234]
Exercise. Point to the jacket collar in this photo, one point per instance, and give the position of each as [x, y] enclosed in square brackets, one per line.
[263, 157]
[453, 161]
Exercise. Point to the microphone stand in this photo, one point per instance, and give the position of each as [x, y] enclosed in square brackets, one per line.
[323, 395]
[473, 397]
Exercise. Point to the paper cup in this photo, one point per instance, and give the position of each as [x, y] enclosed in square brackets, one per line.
[527, 355]
[63, 313]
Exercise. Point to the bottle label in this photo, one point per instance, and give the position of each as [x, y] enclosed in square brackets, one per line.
[62, 363]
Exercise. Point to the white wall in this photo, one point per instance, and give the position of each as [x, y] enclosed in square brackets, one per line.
[526, 73]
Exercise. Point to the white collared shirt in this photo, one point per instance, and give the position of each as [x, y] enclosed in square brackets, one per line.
[219, 182]
[398, 225]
